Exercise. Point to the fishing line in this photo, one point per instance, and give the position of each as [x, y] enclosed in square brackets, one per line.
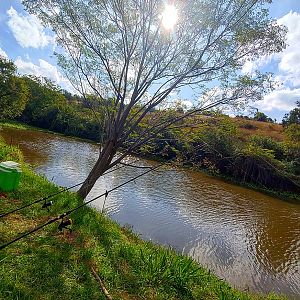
[64, 215]
[47, 204]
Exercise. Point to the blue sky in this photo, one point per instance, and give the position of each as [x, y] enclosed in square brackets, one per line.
[30, 46]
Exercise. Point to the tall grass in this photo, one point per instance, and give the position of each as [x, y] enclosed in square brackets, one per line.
[8, 152]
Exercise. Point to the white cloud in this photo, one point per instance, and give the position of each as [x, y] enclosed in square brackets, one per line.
[290, 58]
[27, 30]
[3, 53]
[284, 98]
[281, 99]
[187, 104]
[251, 66]
[289, 80]
[44, 69]
[288, 73]
[290, 62]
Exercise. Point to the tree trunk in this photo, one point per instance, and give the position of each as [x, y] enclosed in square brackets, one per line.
[99, 168]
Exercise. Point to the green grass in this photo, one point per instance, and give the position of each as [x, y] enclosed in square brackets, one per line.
[18, 125]
[23, 126]
[56, 265]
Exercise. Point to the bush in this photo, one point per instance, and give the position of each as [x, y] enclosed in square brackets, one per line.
[268, 144]
[248, 125]
[292, 132]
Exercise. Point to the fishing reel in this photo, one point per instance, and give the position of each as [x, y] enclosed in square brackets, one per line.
[64, 224]
[47, 205]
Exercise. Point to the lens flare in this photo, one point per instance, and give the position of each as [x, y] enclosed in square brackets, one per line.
[169, 17]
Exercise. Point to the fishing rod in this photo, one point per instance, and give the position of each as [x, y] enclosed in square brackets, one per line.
[51, 196]
[67, 222]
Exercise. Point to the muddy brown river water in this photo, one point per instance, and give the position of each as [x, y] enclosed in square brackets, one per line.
[249, 239]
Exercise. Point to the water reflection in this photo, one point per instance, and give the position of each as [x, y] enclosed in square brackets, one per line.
[248, 238]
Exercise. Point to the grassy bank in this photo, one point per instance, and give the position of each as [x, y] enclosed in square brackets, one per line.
[18, 125]
[23, 126]
[57, 265]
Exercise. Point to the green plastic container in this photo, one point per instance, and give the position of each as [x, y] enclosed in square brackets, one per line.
[10, 175]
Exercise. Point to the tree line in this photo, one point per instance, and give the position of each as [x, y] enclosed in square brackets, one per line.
[39, 102]
[219, 144]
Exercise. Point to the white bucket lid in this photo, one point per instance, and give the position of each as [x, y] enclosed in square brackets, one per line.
[9, 165]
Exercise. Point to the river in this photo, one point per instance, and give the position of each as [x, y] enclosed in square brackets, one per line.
[249, 239]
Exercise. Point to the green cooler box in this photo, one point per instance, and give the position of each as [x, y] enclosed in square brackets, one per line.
[10, 174]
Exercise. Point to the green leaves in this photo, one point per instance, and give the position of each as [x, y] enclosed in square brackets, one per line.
[13, 91]
[293, 117]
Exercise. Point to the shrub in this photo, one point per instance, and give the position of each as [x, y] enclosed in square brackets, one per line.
[292, 132]
[268, 144]
[248, 125]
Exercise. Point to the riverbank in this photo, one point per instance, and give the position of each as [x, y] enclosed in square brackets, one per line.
[286, 196]
[19, 125]
[57, 265]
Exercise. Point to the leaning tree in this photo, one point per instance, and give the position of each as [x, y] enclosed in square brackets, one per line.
[134, 54]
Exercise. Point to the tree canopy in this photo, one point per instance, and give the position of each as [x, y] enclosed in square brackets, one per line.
[293, 117]
[13, 91]
[124, 51]
[262, 117]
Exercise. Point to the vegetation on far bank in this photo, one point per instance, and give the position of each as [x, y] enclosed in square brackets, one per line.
[250, 151]
[277, 131]
[57, 265]
[238, 150]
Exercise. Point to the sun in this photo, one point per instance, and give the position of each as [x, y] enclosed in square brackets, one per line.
[169, 16]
